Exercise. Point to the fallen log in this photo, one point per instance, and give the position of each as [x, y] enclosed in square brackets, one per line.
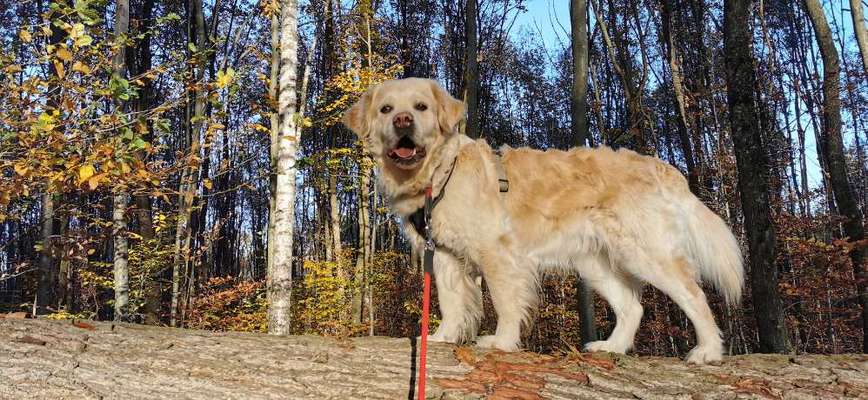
[95, 360]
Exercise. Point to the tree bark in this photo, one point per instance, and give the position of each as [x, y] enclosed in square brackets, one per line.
[46, 286]
[59, 359]
[858, 15]
[359, 278]
[121, 251]
[678, 94]
[582, 137]
[284, 144]
[120, 199]
[753, 167]
[139, 64]
[832, 147]
[579, 93]
[190, 171]
[471, 70]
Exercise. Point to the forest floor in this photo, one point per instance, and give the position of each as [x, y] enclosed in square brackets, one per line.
[97, 360]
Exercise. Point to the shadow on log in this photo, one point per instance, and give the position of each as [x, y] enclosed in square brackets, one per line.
[92, 360]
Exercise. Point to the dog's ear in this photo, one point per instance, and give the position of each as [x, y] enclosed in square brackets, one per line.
[451, 112]
[356, 118]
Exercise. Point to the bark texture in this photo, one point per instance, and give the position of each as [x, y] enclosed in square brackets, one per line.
[581, 135]
[471, 70]
[88, 360]
[284, 144]
[752, 163]
[120, 200]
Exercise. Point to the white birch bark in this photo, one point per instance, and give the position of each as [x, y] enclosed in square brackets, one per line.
[283, 152]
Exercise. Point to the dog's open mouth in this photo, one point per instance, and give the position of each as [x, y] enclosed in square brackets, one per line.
[406, 153]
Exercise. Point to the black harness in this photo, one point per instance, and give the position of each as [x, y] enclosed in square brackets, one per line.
[421, 218]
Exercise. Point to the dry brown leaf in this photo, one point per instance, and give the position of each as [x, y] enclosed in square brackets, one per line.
[465, 354]
[84, 325]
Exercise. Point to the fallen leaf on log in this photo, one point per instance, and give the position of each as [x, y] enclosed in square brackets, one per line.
[84, 325]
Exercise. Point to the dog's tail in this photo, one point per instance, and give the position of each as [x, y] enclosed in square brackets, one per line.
[716, 250]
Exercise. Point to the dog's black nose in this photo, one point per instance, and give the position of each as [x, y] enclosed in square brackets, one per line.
[402, 120]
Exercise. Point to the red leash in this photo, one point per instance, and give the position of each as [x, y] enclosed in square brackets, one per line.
[428, 266]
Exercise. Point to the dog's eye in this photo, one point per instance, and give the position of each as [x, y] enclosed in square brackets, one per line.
[421, 106]
[386, 109]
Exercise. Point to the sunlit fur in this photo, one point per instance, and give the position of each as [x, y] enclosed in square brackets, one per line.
[619, 219]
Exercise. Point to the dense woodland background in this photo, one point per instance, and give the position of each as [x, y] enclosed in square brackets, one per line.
[136, 135]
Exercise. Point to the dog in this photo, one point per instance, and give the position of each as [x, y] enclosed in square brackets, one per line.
[619, 219]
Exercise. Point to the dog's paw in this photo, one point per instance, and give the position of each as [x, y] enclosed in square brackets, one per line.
[704, 355]
[443, 337]
[605, 345]
[497, 342]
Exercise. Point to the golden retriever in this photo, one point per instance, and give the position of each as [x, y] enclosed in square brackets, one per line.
[617, 218]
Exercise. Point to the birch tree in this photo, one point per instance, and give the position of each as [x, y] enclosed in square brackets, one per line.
[284, 144]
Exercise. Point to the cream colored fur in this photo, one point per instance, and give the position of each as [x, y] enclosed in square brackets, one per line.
[619, 219]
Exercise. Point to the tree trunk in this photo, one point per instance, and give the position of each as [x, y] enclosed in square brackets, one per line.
[832, 147]
[190, 171]
[46, 286]
[284, 143]
[359, 279]
[582, 137]
[753, 167]
[121, 252]
[62, 360]
[579, 94]
[138, 65]
[679, 97]
[861, 34]
[471, 70]
[120, 199]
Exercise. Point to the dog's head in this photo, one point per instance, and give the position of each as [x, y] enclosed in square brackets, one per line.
[402, 121]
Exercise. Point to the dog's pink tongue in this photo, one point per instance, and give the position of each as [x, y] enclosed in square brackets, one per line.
[404, 152]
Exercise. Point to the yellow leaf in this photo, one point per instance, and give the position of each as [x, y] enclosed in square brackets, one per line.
[78, 66]
[61, 72]
[208, 184]
[225, 78]
[93, 182]
[13, 68]
[91, 251]
[85, 172]
[25, 36]
[64, 54]
[21, 168]
[125, 168]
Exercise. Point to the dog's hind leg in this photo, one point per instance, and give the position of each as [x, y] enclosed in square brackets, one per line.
[513, 292]
[676, 279]
[623, 294]
[460, 299]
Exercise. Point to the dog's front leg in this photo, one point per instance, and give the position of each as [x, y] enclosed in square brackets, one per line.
[512, 284]
[460, 300]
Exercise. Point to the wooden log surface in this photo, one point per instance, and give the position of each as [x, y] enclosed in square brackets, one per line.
[42, 359]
